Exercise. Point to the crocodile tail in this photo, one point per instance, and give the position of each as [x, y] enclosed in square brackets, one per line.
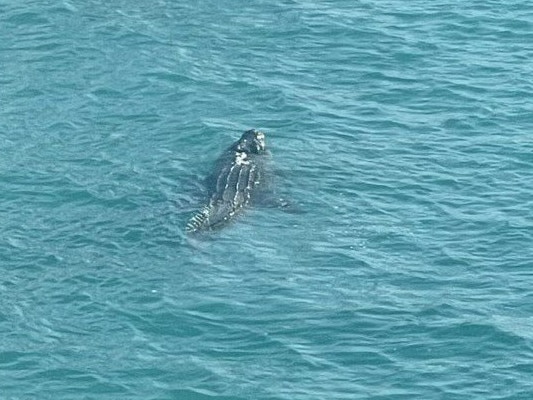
[199, 220]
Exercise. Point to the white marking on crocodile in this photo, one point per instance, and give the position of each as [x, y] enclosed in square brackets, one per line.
[235, 203]
[228, 177]
[198, 220]
[251, 180]
[241, 158]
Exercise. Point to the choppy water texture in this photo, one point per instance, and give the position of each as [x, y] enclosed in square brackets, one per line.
[401, 132]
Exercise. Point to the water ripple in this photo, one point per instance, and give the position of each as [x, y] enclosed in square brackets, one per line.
[399, 134]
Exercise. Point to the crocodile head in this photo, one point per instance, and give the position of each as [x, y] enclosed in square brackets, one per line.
[252, 141]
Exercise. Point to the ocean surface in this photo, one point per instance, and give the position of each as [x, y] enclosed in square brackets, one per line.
[401, 134]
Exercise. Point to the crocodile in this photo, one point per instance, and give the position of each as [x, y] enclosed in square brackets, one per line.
[237, 176]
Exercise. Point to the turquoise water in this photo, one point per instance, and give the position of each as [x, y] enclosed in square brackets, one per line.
[401, 133]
